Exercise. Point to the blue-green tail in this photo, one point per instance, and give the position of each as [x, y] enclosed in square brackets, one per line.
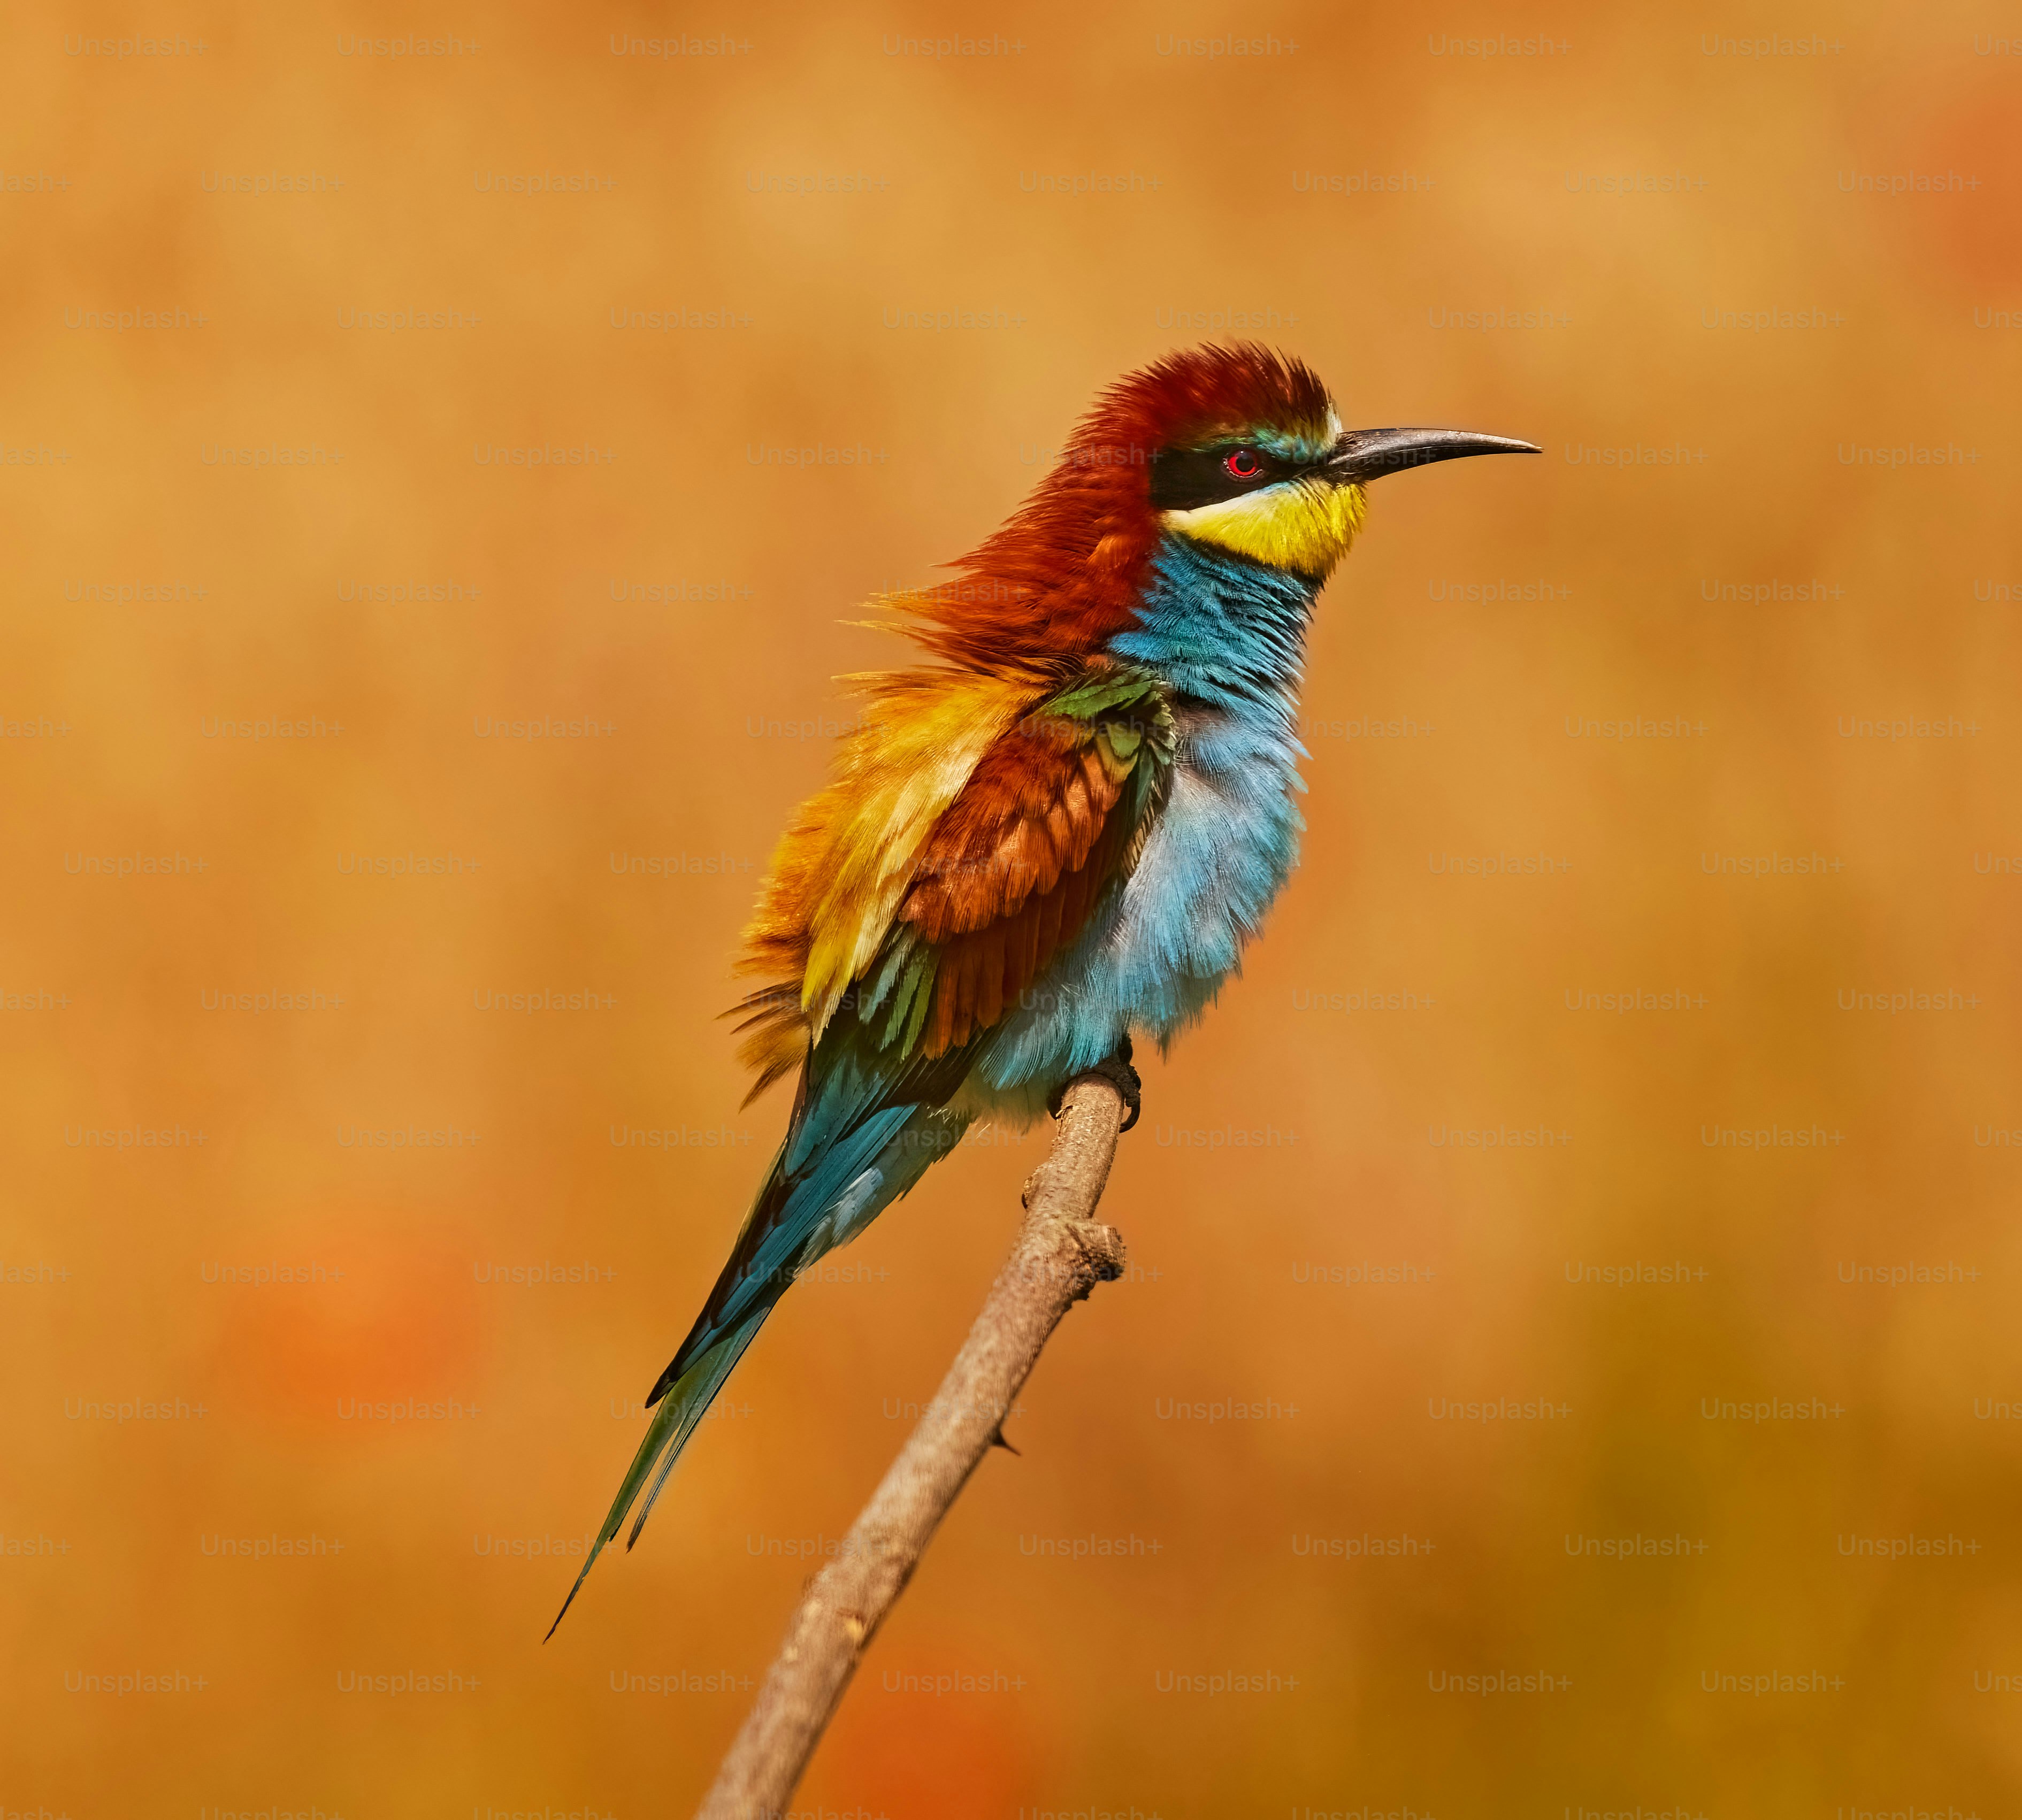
[857, 1141]
[685, 1404]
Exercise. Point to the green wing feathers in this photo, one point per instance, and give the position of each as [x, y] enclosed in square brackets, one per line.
[1049, 813]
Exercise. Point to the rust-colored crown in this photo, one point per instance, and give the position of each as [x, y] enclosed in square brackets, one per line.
[1063, 573]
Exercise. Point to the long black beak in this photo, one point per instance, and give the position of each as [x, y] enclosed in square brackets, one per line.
[1365, 455]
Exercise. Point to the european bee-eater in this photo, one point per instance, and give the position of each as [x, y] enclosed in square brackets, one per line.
[1059, 836]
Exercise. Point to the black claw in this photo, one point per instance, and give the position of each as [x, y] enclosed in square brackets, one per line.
[1132, 1090]
[1117, 1071]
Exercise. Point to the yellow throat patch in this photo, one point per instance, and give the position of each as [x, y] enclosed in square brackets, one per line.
[1306, 525]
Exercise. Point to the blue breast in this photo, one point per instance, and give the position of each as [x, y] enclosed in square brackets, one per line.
[1227, 635]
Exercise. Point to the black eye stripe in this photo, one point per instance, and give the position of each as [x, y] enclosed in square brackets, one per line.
[1182, 478]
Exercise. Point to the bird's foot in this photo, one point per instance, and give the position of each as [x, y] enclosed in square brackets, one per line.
[1116, 1070]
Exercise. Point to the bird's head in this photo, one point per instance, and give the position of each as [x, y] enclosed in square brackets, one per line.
[1235, 447]
[1247, 453]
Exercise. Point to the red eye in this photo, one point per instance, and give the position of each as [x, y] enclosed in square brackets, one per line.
[1243, 464]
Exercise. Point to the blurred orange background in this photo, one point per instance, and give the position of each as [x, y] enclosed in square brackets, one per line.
[395, 731]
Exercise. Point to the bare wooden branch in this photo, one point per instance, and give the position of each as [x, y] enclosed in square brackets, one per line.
[1060, 1256]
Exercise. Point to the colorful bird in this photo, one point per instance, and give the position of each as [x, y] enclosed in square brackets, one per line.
[1058, 837]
